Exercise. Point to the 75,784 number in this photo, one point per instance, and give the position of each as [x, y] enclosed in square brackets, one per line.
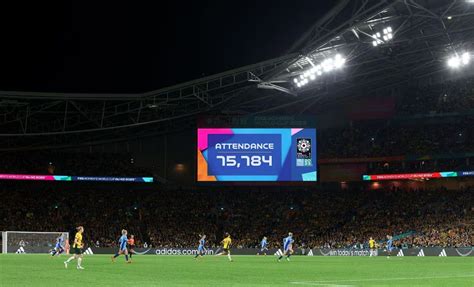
[254, 160]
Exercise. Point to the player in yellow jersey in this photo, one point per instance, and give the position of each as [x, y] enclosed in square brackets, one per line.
[226, 243]
[77, 248]
[372, 247]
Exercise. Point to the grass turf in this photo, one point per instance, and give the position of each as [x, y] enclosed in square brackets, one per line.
[149, 270]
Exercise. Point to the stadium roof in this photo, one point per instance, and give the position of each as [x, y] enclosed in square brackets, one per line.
[372, 44]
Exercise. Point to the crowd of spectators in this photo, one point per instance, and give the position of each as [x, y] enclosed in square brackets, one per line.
[71, 163]
[431, 119]
[422, 165]
[446, 97]
[364, 140]
[322, 217]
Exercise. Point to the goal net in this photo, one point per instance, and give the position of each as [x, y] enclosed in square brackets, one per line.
[32, 242]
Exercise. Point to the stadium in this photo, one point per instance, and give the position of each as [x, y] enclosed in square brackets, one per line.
[345, 159]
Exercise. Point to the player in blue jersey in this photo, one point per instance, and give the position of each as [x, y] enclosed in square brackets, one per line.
[202, 247]
[287, 247]
[123, 247]
[389, 245]
[58, 248]
[263, 246]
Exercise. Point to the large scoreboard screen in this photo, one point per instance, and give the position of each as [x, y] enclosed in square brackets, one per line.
[251, 154]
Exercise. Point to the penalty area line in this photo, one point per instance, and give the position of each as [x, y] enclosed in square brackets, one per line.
[320, 284]
[333, 283]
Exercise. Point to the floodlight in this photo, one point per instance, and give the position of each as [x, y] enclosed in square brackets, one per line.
[454, 62]
[387, 30]
[465, 58]
[325, 66]
[457, 61]
[339, 61]
[387, 36]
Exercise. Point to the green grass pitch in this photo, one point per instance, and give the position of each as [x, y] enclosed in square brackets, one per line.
[150, 270]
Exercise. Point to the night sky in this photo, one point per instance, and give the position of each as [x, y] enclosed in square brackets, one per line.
[126, 47]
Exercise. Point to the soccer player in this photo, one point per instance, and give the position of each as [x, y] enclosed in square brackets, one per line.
[21, 247]
[372, 247]
[287, 247]
[58, 248]
[226, 242]
[389, 245]
[131, 246]
[202, 247]
[123, 247]
[263, 246]
[77, 248]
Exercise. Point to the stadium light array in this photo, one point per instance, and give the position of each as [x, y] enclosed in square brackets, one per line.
[384, 37]
[326, 66]
[458, 61]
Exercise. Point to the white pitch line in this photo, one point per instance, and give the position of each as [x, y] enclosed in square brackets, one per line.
[330, 282]
[321, 284]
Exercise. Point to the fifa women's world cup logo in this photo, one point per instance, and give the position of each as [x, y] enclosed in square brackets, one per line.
[303, 152]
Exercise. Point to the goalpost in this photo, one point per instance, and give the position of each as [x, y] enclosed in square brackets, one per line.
[31, 241]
